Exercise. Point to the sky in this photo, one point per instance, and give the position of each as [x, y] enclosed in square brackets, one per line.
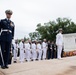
[28, 13]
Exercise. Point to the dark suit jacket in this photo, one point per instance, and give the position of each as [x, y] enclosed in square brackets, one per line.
[7, 25]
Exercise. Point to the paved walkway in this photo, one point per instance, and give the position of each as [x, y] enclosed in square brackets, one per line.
[67, 66]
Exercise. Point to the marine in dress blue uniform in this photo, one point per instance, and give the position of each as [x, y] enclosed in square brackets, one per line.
[7, 34]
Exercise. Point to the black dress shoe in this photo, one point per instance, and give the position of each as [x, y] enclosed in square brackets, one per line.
[15, 62]
[3, 67]
[6, 67]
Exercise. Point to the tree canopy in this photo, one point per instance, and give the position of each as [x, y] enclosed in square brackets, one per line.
[50, 29]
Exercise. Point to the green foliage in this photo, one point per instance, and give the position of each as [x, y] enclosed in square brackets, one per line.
[34, 36]
[49, 29]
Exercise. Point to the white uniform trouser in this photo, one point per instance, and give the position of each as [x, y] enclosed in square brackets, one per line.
[44, 53]
[28, 55]
[15, 55]
[25, 55]
[34, 54]
[40, 54]
[21, 55]
[59, 51]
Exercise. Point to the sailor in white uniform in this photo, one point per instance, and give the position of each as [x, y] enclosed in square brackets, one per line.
[21, 46]
[15, 50]
[59, 43]
[44, 47]
[34, 52]
[39, 49]
[27, 51]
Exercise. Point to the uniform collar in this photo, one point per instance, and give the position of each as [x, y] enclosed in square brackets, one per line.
[8, 19]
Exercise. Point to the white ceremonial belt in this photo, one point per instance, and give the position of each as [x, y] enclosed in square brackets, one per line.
[5, 30]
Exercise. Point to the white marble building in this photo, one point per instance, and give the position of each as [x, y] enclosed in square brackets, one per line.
[69, 41]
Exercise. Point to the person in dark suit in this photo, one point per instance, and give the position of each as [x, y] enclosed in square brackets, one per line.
[7, 34]
[53, 50]
[49, 50]
[62, 51]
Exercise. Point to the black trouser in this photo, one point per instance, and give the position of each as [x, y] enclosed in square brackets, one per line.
[53, 54]
[49, 54]
[5, 48]
[62, 53]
